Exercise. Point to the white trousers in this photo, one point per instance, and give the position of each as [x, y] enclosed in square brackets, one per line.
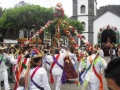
[48, 72]
[93, 86]
[4, 75]
[57, 79]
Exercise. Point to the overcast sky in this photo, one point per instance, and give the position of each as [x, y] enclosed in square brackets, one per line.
[67, 4]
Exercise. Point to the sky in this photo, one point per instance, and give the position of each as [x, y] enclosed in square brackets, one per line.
[67, 4]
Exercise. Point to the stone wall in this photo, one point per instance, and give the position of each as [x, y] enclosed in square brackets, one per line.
[75, 5]
[90, 20]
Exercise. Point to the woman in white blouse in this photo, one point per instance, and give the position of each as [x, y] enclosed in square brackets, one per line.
[38, 75]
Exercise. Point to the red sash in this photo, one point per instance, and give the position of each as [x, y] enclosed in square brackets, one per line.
[51, 76]
[34, 72]
[34, 81]
[99, 76]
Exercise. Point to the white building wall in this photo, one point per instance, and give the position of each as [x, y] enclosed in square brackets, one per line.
[107, 19]
[21, 34]
[80, 3]
[84, 19]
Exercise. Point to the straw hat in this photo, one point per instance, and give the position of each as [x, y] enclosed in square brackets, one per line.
[12, 45]
[37, 56]
[1, 48]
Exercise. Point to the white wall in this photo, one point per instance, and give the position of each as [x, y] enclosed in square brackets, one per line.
[80, 3]
[21, 34]
[84, 19]
[107, 19]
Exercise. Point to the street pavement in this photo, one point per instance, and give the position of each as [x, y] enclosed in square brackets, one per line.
[72, 86]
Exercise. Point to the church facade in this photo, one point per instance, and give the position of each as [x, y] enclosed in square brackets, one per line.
[100, 25]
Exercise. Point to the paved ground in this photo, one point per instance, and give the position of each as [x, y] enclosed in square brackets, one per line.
[71, 86]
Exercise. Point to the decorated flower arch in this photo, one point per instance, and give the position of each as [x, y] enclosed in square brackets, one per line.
[109, 27]
[68, 29]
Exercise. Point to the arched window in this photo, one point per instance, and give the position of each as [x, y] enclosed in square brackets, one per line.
[82, 9]
[83, 23]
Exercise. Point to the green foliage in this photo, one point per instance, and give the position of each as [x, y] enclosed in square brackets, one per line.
[76, 24]
[21, 3]
[25, 16]
[0, 10]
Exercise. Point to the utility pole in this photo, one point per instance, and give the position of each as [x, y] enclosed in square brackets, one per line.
[37, 36]
[37, 41]
[51, 36]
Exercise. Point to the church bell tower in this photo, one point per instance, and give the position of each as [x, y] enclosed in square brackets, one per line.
[85, 11]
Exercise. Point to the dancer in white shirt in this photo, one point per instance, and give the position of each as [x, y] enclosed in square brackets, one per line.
[47, 64]
[38, 75]
[91, 77]
[3, 69]
[56, 69]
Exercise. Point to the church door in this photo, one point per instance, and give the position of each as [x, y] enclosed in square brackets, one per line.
[106, 37]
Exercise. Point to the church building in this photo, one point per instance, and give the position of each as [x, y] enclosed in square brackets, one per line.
[100, 25]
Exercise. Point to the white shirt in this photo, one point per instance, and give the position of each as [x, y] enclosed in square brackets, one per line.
[6, 57]
[44, 61]
[113, 53]
[40, 78]
[73, 57]
[13, 61]
[90, 75]
[56, 69]
[48, 57]
[81, 66]
[62, 51]
[20, 88]
[101, 53]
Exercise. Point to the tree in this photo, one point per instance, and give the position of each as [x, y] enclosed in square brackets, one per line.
[0, 11]
[21, 3]
[24, 16]
[76, 24]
